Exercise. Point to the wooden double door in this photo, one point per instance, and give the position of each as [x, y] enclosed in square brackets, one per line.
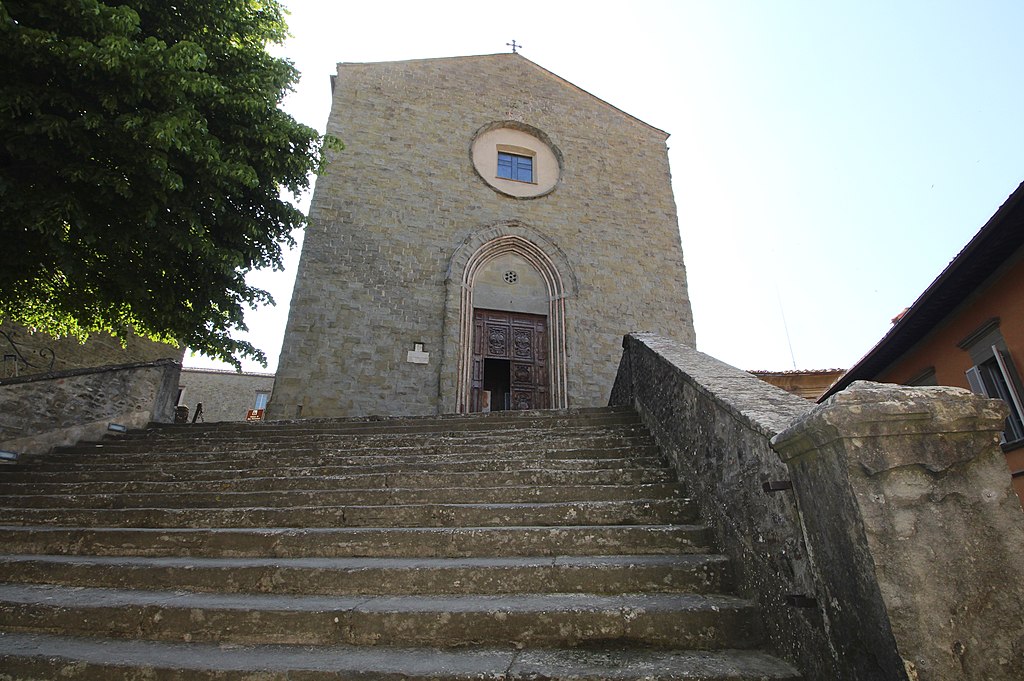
[510, 361]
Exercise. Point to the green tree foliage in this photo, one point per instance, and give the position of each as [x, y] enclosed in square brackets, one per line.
[142, 156]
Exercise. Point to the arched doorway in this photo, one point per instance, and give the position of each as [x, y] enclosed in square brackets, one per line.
[511, 320]
[510, 349]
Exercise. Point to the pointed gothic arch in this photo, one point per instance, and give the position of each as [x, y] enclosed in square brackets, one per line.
[469, 260]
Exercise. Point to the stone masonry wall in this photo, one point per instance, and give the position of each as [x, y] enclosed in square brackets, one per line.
[392, 209]
[101, 349]
[43, 411]
[893, 546]
[715, 423]
[226, 395]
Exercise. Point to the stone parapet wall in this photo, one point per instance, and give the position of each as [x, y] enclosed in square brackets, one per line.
[100, 350]
[714, 422]
[40, 412]
[892, 546]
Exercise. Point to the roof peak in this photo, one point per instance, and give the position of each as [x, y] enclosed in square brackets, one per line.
[510, 55]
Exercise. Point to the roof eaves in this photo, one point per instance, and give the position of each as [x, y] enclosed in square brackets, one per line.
[1000, 237]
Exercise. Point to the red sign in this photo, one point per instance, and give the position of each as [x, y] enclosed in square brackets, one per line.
[254, 415]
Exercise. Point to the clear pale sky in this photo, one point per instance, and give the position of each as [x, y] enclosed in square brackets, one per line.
[828, 158]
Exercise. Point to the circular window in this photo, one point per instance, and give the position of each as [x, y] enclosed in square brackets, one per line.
[516, 159]
[511, 277]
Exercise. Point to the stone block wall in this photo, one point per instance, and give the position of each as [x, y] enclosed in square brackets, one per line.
[391, 211]
[101, 349]
[226, 395]
[60, 408]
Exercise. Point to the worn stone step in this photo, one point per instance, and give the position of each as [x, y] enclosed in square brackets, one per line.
[40, 657]
[395, 465]
[293, 456]
[474, 461]
[263, 437]
[202, 451]
[301, 455]
[634, 512]
[186, 497]
[547, 418]
[673, 620]
[170, 436]
[552, 419]
[353, 481]
[199, 449]
[378, 576]
[399, 542]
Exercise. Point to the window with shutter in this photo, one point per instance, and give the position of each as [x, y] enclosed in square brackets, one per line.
[996, 377]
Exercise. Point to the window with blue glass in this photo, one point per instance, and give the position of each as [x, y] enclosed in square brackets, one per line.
[515, 167]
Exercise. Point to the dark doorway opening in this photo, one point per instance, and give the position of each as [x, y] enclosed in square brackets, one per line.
[510, 366]
[498, 380]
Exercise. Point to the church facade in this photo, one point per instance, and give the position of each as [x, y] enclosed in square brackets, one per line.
[483, 242]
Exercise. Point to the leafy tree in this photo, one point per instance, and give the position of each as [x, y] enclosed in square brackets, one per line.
[142, 156]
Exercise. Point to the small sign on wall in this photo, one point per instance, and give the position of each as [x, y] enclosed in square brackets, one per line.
[254, 415]
[417, 356]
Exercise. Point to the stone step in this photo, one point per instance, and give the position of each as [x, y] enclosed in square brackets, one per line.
[186, 497]
[634, 512]
[201, 451]
[36, 657]
[549, 419]
[354, 481]
[133, 443]
[378, 576]
[290, 458]
[557, 543]
[694, 621]
[381, 466]
[160, 440]
[399, 542]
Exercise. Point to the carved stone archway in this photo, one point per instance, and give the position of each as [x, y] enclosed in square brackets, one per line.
[469, 259]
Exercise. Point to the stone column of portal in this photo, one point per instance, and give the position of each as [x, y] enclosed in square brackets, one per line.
[914, 531]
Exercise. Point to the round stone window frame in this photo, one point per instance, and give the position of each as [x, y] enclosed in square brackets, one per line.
[522, 189]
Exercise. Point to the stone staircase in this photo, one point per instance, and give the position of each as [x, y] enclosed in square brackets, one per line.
[522, 545]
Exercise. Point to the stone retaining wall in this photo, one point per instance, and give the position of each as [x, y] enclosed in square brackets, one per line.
[40, 412]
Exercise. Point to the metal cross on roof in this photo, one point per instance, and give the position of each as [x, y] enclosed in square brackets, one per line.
[513, 45]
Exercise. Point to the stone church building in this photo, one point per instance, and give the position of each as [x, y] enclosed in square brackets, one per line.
[483, 242]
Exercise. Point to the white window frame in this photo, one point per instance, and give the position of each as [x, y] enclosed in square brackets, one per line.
[1007, 392]
[265, 394]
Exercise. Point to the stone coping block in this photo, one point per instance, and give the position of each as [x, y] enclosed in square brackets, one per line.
[913, 530]
[866, 411]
